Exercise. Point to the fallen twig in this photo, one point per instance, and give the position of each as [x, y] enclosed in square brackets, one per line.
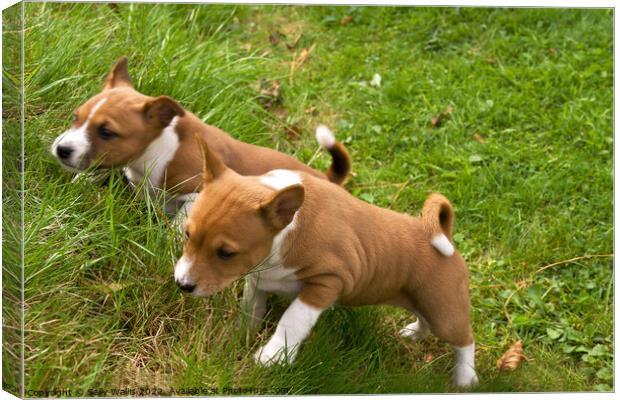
[299, 60]
[526, 283]
[572, 260]
[400, 190]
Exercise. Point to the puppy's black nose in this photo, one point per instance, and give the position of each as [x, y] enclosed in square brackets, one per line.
[64, 151]
[185, 287]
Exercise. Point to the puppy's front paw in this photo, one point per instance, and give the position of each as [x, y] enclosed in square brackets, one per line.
[415, 331]
[464, 376]
[274, 353]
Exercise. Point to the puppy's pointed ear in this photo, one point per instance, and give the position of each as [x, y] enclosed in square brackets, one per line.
[119, 75]
[212, 166]
[280, 208]
[160, 111]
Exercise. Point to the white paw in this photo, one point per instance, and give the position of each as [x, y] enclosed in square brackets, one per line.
[465, 376]
[414, 331]
[273, 353]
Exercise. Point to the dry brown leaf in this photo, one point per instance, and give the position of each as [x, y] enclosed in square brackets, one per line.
[438, 119]
[492, 60]
[269, 93]
[428, 357]
[293, 131]
[552, 51]
[478, 138]
[310, 110]
[298, 62]
[512, 357]
[524, 283]
[346, 20]
[303, 56]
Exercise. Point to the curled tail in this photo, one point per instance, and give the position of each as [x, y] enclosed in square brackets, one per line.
[438, 218]
[341, 160]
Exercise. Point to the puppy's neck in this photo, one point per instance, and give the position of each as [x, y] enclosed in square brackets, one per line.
[172, 161]
[154, 160]
[279, 246]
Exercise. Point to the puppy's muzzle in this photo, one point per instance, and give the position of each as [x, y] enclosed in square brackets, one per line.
[64, 152]
[186, 287]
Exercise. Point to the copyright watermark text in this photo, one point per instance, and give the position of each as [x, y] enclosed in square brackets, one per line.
[153, 391]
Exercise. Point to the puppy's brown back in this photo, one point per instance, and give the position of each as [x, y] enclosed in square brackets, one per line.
[184, 171]
[377, 253]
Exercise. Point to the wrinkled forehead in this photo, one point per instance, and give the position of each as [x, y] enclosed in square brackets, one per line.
[228, 198]
[111, 101]
[91, 106]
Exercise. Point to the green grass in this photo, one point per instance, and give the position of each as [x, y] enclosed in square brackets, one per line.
[101, 309]
[11, 203]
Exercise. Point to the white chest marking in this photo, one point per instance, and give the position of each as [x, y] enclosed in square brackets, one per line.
[154, 161]
[272, 276]
[280, 280]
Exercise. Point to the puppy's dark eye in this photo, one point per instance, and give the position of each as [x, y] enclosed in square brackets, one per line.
[186, 234]
[224, 254]
[106, 134]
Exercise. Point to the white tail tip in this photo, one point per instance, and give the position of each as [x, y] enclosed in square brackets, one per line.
[325, 137]
[441, 243]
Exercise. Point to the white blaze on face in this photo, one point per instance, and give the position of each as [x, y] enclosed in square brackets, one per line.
[74, 144]
[182, 272]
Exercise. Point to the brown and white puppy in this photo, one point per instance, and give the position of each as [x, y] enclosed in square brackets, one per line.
[290, 233]
[154, 138]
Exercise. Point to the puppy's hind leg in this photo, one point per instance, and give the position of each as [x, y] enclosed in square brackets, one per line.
[464, 370]
[447, 311]
[450, 322]
[459, 335]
